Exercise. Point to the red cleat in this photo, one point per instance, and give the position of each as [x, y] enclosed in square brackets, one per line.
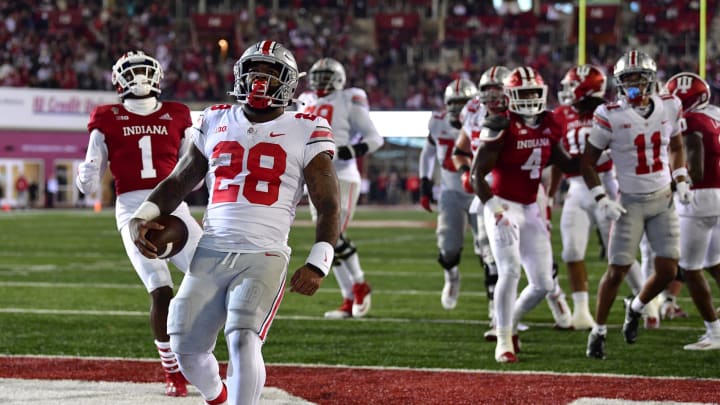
[175, 384]
[220, 399]
[361, 304]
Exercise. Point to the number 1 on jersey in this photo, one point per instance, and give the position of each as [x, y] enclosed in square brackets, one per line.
[643, 167]
[148, 170]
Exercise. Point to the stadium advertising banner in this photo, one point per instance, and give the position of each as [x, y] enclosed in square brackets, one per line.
[59, 110]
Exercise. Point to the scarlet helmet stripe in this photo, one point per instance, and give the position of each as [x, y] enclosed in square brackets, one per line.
[493, 71]
[633, 58]
[266, 47]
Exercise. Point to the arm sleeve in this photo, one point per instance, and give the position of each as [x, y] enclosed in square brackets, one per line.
[427, 159]
[96, 160]
[361, 122]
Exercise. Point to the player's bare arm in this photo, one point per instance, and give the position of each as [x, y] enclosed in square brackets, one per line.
[168, 194]
[561, 159]
[676, 152]
[462, 154]
[482, 164]
[324, 192]
[695, 154]
[587, 165]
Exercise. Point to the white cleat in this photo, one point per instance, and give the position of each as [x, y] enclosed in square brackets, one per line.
[450, 291]
[706, 342]
[651, 314]
[582, 320]
[560, 310]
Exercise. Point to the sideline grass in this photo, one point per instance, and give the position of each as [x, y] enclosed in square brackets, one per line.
[74, 261]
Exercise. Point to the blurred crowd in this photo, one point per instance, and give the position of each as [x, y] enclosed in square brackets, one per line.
[403, 64]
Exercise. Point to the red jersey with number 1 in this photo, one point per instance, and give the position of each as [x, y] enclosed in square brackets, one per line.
[575, 129]
[142, 150]
[526, 151]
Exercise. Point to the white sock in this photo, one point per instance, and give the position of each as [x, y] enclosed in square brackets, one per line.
[353, 266]
[713, 327]
[636, 305]
[580, 299]
[344, 279]
[599, 330]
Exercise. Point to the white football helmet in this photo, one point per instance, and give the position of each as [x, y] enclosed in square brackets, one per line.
[261, 90]
[136, 74]
[457, 93]
[635, 76]
[490, 88]
[326, 76]
[526, 91]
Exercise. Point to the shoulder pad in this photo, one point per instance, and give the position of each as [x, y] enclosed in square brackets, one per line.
[496, 122]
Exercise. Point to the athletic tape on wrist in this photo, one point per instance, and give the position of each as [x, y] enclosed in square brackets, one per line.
[597, 191]
[147, 210]
[321, 256]
[680, 172]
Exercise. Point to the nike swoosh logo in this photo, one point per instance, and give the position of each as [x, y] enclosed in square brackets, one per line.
[274, 134]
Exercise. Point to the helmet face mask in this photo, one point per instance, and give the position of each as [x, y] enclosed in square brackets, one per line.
[491, 92]
[266, 76]
[457, 94]
[137, 75]
[327, 75]
[691, 89]
[526, 92]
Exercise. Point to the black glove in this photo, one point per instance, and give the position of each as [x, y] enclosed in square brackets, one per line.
[352, 151]
[426, 188]
[496, 122]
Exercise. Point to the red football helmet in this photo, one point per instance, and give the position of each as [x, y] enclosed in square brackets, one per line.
[691, 89]
[526, 91]
[580, 82]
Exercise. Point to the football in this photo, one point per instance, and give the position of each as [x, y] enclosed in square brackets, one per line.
[170, 240]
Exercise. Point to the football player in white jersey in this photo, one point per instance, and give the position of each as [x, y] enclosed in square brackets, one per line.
[454, 200]
[140, 140]
[700, 220]
[255, 159]
[489, 101]
[583, 89]
[347, 112]
[642, 131]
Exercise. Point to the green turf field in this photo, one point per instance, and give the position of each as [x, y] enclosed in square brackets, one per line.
[66, 288]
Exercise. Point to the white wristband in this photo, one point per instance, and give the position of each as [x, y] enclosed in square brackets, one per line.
[597, 191]
[680, 172]
[147, 210]
[321, 256]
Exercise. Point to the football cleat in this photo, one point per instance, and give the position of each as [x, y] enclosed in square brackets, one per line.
[670, 310]
[175, 384]
[706, 342]
[361, 303]
[651, 314]
[506, 357]
[342, 312]
[220, 399]
[582, 320]
[505, 351]
[596, 346]
[450, 291]
[632, 321]
[560, 310]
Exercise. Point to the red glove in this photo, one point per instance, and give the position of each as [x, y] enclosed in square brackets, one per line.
[467, 182]
[425, 203]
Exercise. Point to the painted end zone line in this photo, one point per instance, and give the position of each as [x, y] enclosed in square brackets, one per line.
[363, 385]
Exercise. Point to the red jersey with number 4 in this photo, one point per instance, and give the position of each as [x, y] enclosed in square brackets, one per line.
[526, 151]
[575, 129]
[142, 150]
